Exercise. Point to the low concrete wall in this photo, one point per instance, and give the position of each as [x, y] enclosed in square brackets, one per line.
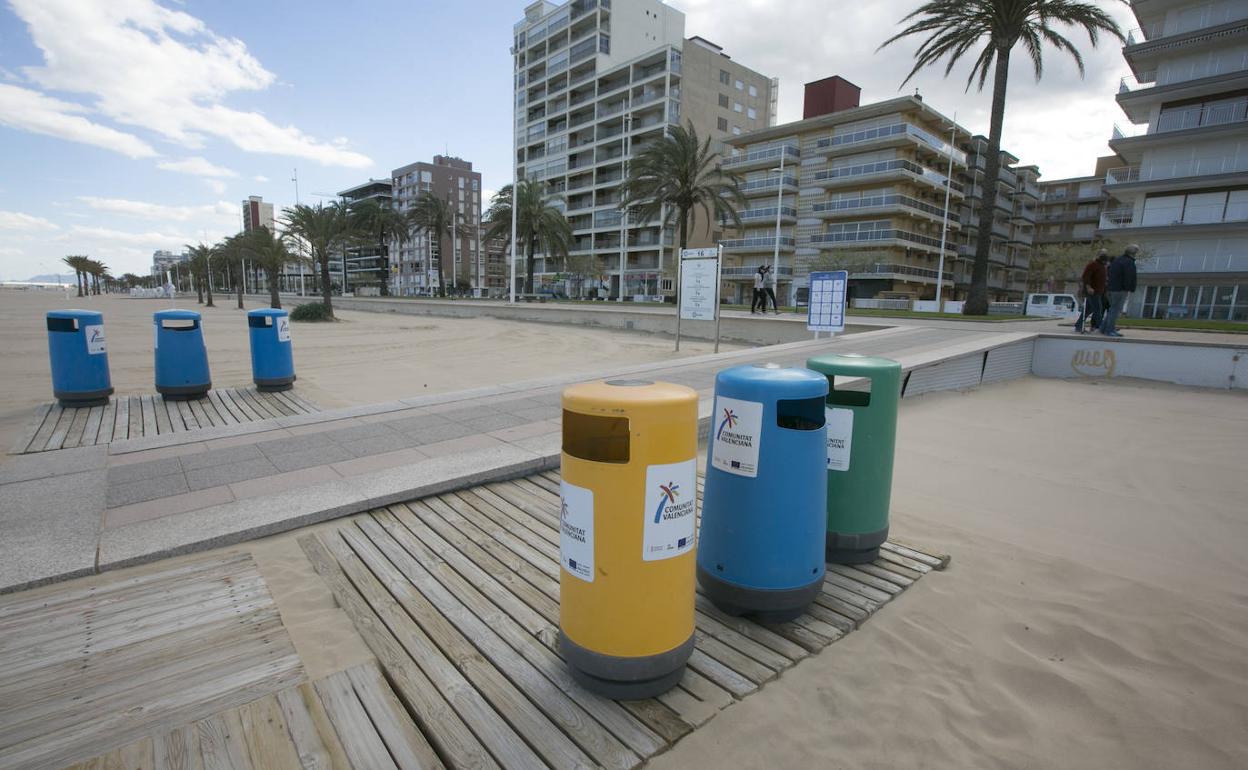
[1182, 363]
[749, 331]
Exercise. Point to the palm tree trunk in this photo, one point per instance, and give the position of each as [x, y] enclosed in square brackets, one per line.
[270, 277]
[384, 251]
[239, 286]
[977, 296]
[326, 292]
[208, 288]
[199, 288]
[78, 281]
[528, 268]
[441, 268]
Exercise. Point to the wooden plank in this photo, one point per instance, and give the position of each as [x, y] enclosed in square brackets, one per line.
[518, 545]
[496, 705]
[160, 411]
[121, 423]
[660, 718]
[407, 746]
[40, 441]
[524, 522]
[243, 406]
[455, 743]
[221, 742]
[896, 569]
[891, 558]
[462, 630]
[832, 577]
[307, 406]
[865, 578]
[133, 756]
[754, 631]
[264, 730]
[258, 403]
[901, 581]
[94, 418]
[743, 644]
[739, 662]
[313, 733]
[28, 433]
[73, 435]
[107, 421]
[136, 416]
[149, 416]
[284, 398]
[201, 415]
[188, 417]
[178, 749]
[935, 561]
[721, 674]
[832, 618]
[360, 741]
[275, 402]
[495, 606]
[226, 410]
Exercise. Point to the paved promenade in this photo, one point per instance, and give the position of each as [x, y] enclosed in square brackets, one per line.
[90, 509]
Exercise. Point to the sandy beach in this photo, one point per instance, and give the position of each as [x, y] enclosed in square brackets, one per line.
[338, 364]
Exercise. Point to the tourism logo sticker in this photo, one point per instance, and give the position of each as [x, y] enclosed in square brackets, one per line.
[667, 494]
[730, 419]
[576, 530]
[671, 510]
[735, 448]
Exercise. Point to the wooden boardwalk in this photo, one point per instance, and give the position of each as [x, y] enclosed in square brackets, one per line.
[89, 668]
[457, 595]
[138, 415]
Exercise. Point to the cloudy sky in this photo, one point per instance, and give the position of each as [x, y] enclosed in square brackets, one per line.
[133, 125]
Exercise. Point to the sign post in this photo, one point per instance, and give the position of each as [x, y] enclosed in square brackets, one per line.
[699, 288]
[825, 312]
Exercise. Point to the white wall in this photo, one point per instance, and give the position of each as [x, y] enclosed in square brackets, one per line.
[640, 26]
[1199, 15]
[1195, 159]
[1203, 64]
[1206, 367]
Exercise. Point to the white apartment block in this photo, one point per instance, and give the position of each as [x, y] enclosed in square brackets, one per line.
[595, 80]
[1182, 191]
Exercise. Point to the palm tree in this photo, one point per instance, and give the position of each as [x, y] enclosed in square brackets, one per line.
[323, 229]
[269, 253]
[200, 262]
[540, 224]
[679, 171]
[232, 251]
[376, 222]
[78, 263]
[94, 270]
[956, 26]
[432, 216]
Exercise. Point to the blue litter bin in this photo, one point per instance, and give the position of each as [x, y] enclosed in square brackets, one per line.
[272, 365]
[79, 358]
[181, 357]
[760, 550]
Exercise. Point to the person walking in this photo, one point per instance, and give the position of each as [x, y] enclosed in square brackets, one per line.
[1092, 284]
[1120, 282]
[759, 297]
[768, 290]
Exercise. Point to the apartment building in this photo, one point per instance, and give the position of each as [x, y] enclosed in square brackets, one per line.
[365, 265]
[1013, 224]
[861, 188]
[416, 259]
[257, 213]
[594, 82]
[1182, 189]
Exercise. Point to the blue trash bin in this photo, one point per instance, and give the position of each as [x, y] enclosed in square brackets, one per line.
[79, 358]
[181, 357]
[760, 550]
[272, 365]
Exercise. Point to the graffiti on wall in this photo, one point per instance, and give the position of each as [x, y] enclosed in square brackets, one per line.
[1093, 363]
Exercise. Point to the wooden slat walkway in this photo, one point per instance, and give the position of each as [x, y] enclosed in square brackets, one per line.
[89, 668]
[350, 719]
[137, 415]
[458, 597]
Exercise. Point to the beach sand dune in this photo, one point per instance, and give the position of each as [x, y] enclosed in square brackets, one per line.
[1095, 614]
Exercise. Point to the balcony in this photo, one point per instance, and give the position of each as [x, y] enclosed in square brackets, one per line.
[1146, 79]
[884, 134]
[1124, 217]
[757, 187]
[874, 237]
[760, 244]
[788, 214]
[880, 203]
[1188, 169]
[903, 169]
[898, 270]
[1206, 263]
[749, 272]
[768, 158]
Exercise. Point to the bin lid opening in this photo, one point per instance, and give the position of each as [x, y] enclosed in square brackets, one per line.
[179, 324]
[857, 393]
[630, 383]
[800, 413]
[62, 324]
[596, 438]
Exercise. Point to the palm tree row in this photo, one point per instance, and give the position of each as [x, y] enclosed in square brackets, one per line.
[89, 274]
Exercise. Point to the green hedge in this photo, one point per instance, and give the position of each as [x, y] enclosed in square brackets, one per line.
[313, 311]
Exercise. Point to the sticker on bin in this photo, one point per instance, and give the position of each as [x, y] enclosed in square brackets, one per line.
[283, 329]
[671, 510]
[95, 338]
[576, 530]
[738, 429]
[840, 437]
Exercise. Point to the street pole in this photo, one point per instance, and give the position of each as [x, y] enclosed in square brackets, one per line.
[454, 243]
[944, 227]
[628, 119]
[775, 257]
[515, 184]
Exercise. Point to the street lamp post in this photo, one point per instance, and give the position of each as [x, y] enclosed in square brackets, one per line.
[944, 227]
[628, 121]
[775, 257]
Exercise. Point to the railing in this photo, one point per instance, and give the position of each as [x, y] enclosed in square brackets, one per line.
[753, 157]
[607, 110]
[748, 272]
[1005, 308]
[582, 50]
[761, 242]
[1212, 15]
[1125, 217]
[755, 185]
[868, 236]
[766, 214]
[1177, 169]
[894, 268]
[1115, 218]
[1207, 263]
[1122, 175]
[876, 201]
[883, 166]
[1203, 115]
[883, 132]
[1146, 79]
[881, 304]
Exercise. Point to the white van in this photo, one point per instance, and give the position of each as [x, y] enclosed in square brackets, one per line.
[1052, 305]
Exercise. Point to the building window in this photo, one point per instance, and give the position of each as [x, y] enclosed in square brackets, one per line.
[736, 106]
[461, 183]
[724, 78]
[738, 85]
[723, 101]
[721, 124]
[752, 113]
[736, 130]
[753, 90]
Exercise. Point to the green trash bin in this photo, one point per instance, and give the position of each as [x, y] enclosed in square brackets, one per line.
[862, 435]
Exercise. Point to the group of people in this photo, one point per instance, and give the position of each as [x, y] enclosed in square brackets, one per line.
[1105, 286]
[763, 292]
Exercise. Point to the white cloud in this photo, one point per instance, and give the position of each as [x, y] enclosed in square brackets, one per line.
[222, 212]
[28, 110]
[260, 178]
[165, 71]
[16, 220]
[216, 185]
[1061, 124]
[105, 236]
[197, 166]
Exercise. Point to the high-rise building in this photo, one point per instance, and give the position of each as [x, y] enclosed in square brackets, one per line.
[366, 264]
[467, 266]
[594, 82]
[166, 263]
[1182, 191]
[1070, 209]
[257, 213]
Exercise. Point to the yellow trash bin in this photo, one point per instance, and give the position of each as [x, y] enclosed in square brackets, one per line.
[627, 520]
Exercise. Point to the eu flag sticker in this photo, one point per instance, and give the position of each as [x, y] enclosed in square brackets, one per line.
[681, 543]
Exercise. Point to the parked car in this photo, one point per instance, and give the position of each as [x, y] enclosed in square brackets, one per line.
[1052, 305]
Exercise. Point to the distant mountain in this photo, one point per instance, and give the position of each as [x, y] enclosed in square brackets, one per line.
[68, 278]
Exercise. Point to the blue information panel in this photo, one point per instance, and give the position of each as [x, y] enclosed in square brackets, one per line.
[826, 309]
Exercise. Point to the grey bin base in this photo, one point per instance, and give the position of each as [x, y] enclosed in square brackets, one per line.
[276, 384]
[764, 604]
[625, 678]
[854, 548]
[183, 392]
[84, 398]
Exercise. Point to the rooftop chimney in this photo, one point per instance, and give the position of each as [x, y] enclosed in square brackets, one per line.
[829, 95]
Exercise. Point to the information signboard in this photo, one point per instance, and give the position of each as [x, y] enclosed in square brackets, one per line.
[699, 284]
[826, 309]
